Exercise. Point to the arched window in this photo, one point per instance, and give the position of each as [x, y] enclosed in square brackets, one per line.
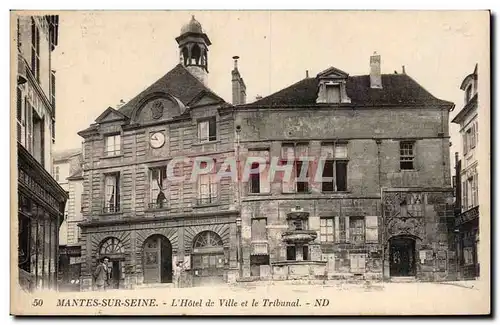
[110, 246]
[196, 54]
[207, 239]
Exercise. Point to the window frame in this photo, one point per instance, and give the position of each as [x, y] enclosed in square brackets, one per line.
[296, 146]
[353, 231]
[407, 154]
[35, 49]
[335, 161]
[209, 180]
[155, 191]
[115, 152]
[324, 230]
[116, 206]
[210, 122]
[333, 86]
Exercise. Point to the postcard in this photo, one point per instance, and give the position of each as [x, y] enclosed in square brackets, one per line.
[250, 162]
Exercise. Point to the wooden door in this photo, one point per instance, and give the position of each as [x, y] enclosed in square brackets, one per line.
[152, 260]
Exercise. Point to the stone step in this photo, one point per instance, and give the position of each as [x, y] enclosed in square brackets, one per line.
[403, 279]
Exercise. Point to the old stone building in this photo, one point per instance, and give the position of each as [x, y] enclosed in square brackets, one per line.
[143, 223]
[467, 203]
[41, 199]
[386, 211]
[67, 171]
[380, 208]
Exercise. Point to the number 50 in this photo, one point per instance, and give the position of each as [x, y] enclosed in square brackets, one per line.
[37, 302]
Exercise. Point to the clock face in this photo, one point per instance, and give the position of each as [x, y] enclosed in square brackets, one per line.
[157, 140]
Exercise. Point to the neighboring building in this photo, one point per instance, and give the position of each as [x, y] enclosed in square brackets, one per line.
[68, 172]
[467, 200]
[142, 223]
[41, 200]
[387, 211]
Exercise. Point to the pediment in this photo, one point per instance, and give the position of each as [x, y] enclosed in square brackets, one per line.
[205, 98]
[110, 115]
[332, 73]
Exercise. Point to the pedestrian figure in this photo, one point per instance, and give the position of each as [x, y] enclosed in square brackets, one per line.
[101, 275]
[178, 269]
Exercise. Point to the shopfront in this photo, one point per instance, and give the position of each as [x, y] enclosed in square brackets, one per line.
[40, 212]
[467, 224]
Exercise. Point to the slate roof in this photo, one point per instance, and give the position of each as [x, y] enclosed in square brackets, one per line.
[178, 82]
[397, 89]
[65, 154]
[78, 174]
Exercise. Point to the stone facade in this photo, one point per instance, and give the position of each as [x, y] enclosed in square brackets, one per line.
[40, 198]
[467, 181]
[382, 139]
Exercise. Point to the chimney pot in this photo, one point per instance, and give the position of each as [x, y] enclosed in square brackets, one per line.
[307, 73]
[404, 71]
[235, 58]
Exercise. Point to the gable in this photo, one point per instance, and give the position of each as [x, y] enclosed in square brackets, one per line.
[332, 73]
[158, 107]
[110, 115]
[206, 98]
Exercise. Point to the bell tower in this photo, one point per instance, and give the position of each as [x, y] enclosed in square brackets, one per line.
[193, 49]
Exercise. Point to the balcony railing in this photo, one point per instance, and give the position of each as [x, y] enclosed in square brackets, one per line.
[157, 205]
[111, 208]
[207, 200]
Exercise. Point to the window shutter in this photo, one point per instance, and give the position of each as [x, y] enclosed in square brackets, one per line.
[371, 226]
[346, 224]
[265, 186]
[337, 229]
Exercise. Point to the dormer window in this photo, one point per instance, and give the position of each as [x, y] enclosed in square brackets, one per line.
[332, 87]
[332, 93]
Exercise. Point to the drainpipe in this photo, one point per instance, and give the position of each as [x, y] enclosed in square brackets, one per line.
[238, 194]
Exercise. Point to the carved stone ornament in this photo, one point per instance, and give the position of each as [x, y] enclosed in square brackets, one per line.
[157, 110]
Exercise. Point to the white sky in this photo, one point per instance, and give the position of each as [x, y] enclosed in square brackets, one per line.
[103, 57]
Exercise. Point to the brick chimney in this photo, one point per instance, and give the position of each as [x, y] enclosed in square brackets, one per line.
[375, 74]
[239, 88]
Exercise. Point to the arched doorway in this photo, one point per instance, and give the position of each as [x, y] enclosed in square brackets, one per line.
[157, 260]
[402, 256]
[113, 249]
[207, 259]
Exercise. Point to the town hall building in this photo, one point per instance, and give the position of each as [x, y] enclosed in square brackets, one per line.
[380, 141]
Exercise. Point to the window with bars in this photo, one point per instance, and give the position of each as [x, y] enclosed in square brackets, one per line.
[327, 230]
[295, 153]
[406, 155]
[112, 145]
[35, 50]
[158, 187]
[207, 130]
[112, 193]
[334, 167]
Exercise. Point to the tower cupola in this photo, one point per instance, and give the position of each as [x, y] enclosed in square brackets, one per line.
[193, 49]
